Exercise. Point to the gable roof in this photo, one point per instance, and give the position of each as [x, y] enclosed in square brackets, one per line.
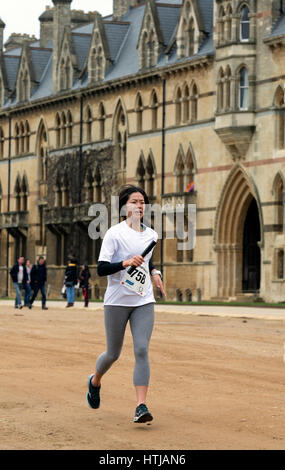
[121, 38]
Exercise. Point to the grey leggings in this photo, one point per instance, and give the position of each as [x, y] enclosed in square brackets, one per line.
[141, 323]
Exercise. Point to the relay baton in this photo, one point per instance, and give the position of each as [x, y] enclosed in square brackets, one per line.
[144, 253]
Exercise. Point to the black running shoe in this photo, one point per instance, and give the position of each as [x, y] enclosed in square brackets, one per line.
[93, 394]
[142, 415]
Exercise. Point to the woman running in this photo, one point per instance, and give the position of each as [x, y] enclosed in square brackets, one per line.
[129, 297]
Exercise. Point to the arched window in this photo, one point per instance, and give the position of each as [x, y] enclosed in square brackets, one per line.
[2, 141]
[154, 110]
[186, 103]
[88, 124]
[62, 84]
[144, 50]
[194, 102]
[22, 137]
[63, 129]
[17, 195]
[26, 86]
[150, 177]
[179, 172]
[121, 138]
[98, 180]
[228, 78]
[140, 173]
[220, 94]
[102, 118]
[278, 189]
[186, 33]
[27, 137]
[244, 23]
[100, 71]
[43, 145]
[92, 67]
[178, 106]
[279, 102]
[191, 38]
[228, 24]
[57, 129]
[17, 139]
[139, 112]
[149, 47]
[24, 194]
[69, 128]
[243, 89]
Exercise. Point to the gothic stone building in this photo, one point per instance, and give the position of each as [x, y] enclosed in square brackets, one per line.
[161, 94]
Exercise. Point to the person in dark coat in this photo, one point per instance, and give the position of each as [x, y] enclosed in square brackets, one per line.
[70, 280]
[19, 277]
[38, 281]
[28, 287]
[84, 277]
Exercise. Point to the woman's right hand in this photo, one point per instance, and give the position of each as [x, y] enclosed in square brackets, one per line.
[135, 261]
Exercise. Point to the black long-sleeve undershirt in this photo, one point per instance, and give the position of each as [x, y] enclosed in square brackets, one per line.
[106, 269]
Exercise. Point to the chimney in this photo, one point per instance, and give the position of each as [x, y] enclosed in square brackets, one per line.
[46, 26]
[2, 27]
[61, 20]
[121, 7]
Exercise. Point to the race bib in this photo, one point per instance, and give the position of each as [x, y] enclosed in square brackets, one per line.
[138, 280]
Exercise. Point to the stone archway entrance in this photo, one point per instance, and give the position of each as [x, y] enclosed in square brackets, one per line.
[237, 237]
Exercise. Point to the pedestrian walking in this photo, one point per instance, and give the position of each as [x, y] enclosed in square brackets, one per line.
[28, 286]
[18, 274]
[84, 277]
[38, 281]
[70, 280]
[129, 297]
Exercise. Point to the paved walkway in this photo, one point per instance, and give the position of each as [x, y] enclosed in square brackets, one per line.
[206, 310]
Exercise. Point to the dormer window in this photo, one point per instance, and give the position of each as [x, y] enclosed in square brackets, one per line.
[151, 42]
[96, 69]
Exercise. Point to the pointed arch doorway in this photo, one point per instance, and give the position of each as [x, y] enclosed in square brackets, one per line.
[238, 236]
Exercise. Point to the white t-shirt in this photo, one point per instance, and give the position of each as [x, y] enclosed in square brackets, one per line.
[121, 242]
[20, 274]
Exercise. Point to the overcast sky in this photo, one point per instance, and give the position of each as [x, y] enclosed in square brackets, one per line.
[22, 16]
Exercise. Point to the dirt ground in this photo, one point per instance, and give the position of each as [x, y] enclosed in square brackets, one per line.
[216, 383]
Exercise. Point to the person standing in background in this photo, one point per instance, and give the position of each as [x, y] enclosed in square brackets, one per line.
[18, 274]
[84, 283]
[28, 287]
[71, 278]
[38, 281]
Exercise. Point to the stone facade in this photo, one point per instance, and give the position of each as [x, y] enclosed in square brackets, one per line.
[162, 94]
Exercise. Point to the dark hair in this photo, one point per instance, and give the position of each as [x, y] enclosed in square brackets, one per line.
[125, 193]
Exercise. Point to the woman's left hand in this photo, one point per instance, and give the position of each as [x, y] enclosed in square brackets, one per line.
[159, 284]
